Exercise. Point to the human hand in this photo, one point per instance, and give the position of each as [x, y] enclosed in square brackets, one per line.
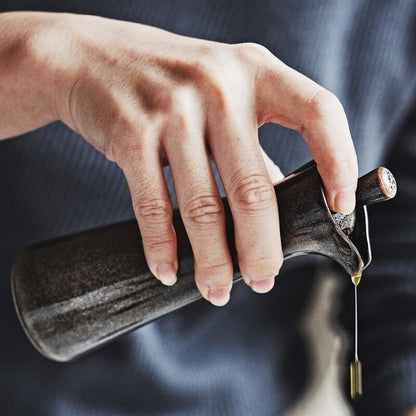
[146, 97]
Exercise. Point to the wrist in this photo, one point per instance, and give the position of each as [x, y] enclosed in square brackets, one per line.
[49, 49]
[34, 69]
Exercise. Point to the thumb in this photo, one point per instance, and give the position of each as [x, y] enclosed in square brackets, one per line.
[291, 99]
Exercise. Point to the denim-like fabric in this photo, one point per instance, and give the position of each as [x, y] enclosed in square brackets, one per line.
[249, 357]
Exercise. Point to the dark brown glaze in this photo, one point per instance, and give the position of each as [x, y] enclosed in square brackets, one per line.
[77, 293]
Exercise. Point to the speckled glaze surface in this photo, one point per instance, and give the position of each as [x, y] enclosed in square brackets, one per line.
[75, 294]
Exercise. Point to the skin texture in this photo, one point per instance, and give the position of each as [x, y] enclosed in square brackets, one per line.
[146, 98]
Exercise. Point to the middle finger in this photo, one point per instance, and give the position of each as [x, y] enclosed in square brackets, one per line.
[201, 210]
[236, 150]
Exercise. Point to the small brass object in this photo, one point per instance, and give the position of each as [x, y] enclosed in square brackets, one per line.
[77, 293]
[356, 379]
[355, 366]
[356, 278]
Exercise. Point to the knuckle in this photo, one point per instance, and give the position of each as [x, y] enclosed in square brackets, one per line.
[182, 98]
[321, 104]
[182, 110]
[340, 172]
[215, 75]
[155, 243]
[251, 52]
[173, 99]
[254, 193]
[211, 61]
[219, 95]
[262, 268]
[204, 66]
[203, 210]
[155, 212]
[211, 271]
[215, 275]
[200, 64]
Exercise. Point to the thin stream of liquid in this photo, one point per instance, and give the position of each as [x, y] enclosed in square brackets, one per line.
[355, 366]
[356, 323]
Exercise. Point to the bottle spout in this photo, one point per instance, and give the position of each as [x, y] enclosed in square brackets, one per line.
[309, 226]
[77, 293]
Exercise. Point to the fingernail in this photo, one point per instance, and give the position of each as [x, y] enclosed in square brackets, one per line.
[262, 286]
[345, 201]
[167, 274]
[219, 297]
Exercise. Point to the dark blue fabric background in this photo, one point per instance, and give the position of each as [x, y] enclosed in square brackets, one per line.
[247, 358]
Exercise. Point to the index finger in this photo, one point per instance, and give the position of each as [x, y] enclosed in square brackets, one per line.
[291, 99]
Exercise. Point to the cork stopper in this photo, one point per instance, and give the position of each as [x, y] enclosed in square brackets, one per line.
[376, 186]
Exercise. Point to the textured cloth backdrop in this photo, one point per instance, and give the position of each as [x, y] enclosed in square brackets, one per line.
[248, 358]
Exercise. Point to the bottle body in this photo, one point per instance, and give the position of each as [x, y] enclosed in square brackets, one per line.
[77, 293]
